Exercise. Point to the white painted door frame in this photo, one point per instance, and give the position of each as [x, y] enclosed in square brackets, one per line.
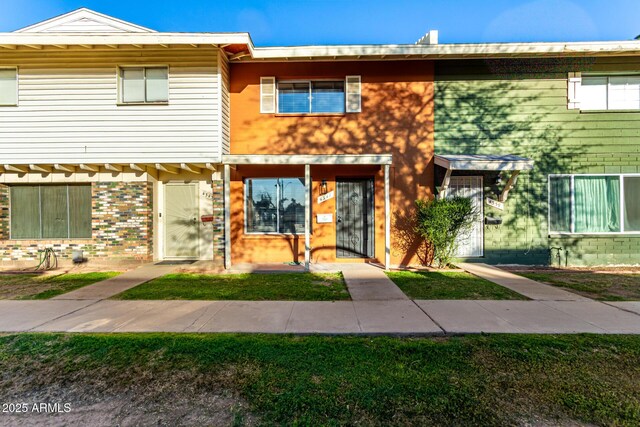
[472, 244]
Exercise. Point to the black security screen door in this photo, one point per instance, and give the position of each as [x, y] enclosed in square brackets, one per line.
[354, 233]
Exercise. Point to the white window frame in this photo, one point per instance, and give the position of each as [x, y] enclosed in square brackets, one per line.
[620, 176]
[244, 200]
[17, 87]
[120, 87]
[309, 81]
[608, 76]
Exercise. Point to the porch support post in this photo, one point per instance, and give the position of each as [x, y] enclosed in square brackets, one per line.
[387, 220]
[227, 216]
[307, 216]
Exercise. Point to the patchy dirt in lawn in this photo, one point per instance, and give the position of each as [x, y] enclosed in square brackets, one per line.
[178, 399]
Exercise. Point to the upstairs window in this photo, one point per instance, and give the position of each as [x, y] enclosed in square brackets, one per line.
[610, 93]
[311, 97]
[8, 86]
[144, 85]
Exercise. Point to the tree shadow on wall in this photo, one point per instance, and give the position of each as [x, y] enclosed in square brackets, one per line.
[511, 117]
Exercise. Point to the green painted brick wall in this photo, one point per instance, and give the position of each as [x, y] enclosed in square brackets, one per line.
[520, 107]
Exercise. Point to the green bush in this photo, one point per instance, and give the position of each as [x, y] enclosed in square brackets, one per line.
[440, 221]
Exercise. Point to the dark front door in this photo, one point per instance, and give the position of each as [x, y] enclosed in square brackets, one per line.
[354, 227]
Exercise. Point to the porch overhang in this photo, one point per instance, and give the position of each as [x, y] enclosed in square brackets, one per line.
[483, 162]
[307, 159]
[47, 168]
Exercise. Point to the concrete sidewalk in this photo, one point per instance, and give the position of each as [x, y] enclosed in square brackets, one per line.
[396, 317]
[367, 282]
[529, 288]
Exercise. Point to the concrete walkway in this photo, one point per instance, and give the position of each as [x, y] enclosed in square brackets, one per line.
[110, 287]
[396, 317]
[530, 288]
[369, 283]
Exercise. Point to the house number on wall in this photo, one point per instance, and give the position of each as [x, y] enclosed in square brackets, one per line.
[325, 197]
[494, 203]
[207, 195]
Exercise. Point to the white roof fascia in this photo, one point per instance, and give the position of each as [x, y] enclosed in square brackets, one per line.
[474, 162]
[448, 50]
[45, 39]
[307, 159]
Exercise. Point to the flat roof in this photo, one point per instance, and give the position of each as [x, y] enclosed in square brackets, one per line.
[484, 162]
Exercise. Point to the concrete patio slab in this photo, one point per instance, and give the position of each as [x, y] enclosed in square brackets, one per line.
[462, 316]
[611, 319]
[393, 317]
[527, 287]
[104, 316]
[168, 316]
[323, 317]
[536, 317]
[250, 316]
[110, 287]
[369, 283]
[20, 316]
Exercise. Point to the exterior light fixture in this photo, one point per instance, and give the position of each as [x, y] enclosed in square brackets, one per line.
[323, 187]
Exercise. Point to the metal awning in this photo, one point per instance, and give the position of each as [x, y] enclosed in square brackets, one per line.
[483, 162]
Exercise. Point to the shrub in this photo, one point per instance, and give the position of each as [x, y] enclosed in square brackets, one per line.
[440, 221]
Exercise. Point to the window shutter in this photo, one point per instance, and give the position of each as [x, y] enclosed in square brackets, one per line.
[353, 91]
[267, 94]
[574, 82]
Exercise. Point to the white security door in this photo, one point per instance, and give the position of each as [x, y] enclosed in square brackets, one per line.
[182, 230]
[470, 243]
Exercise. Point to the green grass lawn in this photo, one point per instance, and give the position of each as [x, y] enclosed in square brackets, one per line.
[600, 286]
[34, 286]
[449, 285]
[251, 287]
[276, 380]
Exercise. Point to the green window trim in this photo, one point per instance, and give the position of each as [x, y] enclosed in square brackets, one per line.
[50, 212]
[594, 204]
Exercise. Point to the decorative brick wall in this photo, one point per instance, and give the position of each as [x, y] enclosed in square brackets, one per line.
[217, 188]
[122, 227]
[4, 212]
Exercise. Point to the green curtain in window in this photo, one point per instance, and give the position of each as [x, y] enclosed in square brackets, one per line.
[597, 204]
[560, 204]
[632, 203]
[80, 211]
[53, 200]
[25, 212]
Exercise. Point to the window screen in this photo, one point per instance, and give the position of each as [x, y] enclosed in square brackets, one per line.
[140, 85]
[50, 212]
[8, 87]
[311, 97]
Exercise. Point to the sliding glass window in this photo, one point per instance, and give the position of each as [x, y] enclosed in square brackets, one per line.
[274, 205]
[594, 204]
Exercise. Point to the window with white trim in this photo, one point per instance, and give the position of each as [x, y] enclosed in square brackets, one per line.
[144, 85]
[594, 204]
[274, 205]
[50, 211]
[322, 96]
[613, 92]
[8, 86]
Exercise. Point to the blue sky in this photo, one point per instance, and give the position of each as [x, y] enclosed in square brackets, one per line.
[288, 22]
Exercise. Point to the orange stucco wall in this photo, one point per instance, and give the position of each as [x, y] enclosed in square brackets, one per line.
[396, 118]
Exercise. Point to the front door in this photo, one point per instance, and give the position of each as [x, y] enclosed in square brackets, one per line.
[354, 215]
[469, 243]
[181, 221]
